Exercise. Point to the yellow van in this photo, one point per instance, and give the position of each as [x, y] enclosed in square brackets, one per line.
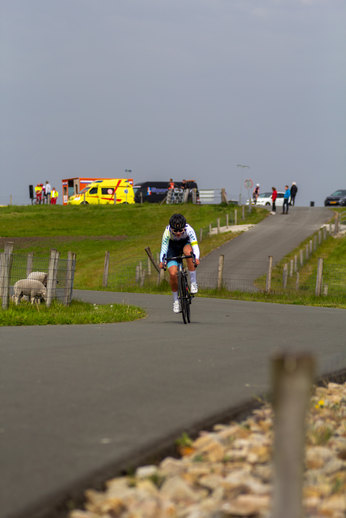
[102, 192]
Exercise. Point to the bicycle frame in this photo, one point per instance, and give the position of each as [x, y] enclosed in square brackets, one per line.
[184, 295]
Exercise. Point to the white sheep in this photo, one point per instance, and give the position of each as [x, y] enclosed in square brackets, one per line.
[31, 288]
[39, 276]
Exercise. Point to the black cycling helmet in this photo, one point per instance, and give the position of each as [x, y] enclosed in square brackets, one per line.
[177, 222]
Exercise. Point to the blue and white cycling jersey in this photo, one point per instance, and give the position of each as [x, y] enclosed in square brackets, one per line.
[188, 234]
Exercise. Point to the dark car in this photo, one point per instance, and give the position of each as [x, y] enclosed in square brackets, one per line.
[337, 198]
[156, 192]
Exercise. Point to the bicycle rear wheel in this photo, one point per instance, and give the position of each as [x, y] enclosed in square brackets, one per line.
[182, 296]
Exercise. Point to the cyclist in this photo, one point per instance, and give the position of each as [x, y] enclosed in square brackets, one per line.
[179, 238]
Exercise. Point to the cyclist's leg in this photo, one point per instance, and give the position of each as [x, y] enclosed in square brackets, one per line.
[173, 276]
[192, 269]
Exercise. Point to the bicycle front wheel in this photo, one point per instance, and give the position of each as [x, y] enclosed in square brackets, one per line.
[182, 296]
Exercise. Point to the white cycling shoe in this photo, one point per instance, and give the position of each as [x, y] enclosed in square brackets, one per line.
[176, 306]
[194, 287]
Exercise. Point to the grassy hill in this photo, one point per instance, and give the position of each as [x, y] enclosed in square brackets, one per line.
[124, 231]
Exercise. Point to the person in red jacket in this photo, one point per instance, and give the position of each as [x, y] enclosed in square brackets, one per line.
[274, 196]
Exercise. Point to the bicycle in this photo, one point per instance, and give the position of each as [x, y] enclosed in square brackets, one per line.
[184, 295]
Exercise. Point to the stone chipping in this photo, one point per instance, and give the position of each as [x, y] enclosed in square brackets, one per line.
[228, 472]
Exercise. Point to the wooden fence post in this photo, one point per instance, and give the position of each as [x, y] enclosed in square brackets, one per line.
[301, 258]
[291, 268]
[330, 228]
[310, 246]
[220, 271]
[324, 233]
[319, 276]
[243, 212]
[209, 229]
[284, 278]
[6, 273]
[105, 270]
[319, 237]
[307, 252]
[29, 263]
[292, 376]
[149, 266]
[295, 264]
[336, 224]
[218, 225]
[137, 273]
[70, 267]
[269, 274]
[235, 216]
[51, 277]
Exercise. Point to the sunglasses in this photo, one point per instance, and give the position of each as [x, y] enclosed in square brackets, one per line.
[178, 231]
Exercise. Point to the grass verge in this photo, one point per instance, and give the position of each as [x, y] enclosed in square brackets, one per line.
[26, 314]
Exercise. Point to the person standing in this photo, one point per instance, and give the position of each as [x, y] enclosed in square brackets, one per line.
[54, 196]
[294, 190]
[256, 192]
[48, 190]
[38, 192]
[286, 199]
[274, 196]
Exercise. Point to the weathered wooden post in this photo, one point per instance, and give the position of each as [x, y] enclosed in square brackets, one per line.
[105, 270]
[51, 277]
[220, 271]
[137, 273]
[70, 268]
[209, 229]
[218, 225]
[235, 216]
[292, 378]
[284, 276]
[301, 258]
[142, 277]
[307, 252]
[330, 228]
[29, 263]
[291, 268]
[310, 246]
[324, 233]
[336, 224]
[243, 212]
[319, 276]
[149, 267]
[269, 274]
[295, 263]
[319, 237]
[6, 273]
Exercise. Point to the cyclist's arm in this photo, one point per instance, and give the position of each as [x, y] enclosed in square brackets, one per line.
[164, 244]
[193, 242]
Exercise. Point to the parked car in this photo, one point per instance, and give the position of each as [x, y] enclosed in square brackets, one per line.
[156, 192]
[337, 198]
[265, 199]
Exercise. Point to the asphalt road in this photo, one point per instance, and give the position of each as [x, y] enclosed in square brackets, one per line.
[246, 257]
[80, 401]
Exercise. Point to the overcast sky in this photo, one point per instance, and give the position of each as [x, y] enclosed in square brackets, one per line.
[174, 88]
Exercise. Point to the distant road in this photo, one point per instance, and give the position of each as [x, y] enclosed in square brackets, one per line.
[275, 235]
[78, 402]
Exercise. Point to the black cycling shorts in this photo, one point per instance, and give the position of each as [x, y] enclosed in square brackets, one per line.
[176, 248]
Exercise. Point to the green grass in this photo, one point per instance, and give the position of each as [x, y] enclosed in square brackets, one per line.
[125, 231]
[91, 230]
[26, 314]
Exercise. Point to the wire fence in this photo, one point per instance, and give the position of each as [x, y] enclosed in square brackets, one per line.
[36, 279]
[304, 273]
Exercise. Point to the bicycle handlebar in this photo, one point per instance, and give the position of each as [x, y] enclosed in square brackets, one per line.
[164, 259]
